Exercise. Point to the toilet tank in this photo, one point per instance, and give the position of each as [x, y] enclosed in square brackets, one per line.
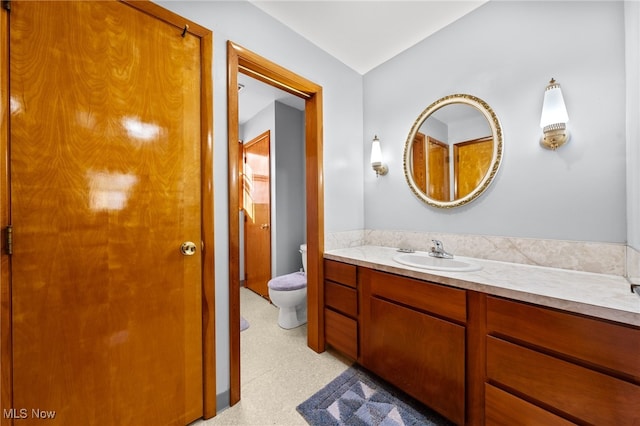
[303, 252]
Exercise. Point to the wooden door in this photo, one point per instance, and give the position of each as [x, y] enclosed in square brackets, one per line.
[472, 161]
[438, 170]
[419, 164]
[257, 214]
[105, 186]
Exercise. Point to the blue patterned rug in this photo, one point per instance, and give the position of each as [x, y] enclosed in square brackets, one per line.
[357, 398]
[244, 324]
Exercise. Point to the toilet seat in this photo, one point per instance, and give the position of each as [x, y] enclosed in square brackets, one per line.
[289, 294]
[289, 282]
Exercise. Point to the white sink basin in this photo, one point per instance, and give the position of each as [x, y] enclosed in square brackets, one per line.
[424, 261]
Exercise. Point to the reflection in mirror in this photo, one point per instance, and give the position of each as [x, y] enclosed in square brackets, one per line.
[453, 151]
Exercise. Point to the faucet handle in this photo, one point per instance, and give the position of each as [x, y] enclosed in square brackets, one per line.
[438, 250]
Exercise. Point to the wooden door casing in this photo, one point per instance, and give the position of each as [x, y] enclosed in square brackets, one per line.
[257, 213]
[240, 59]
[95, 169]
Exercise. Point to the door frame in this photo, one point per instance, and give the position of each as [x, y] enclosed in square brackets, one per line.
[242, 60]
[206, 134]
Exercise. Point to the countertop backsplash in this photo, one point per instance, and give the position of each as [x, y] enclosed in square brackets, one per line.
[633, 265]
[603, 258]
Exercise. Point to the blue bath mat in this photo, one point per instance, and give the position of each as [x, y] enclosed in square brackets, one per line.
[244, 324]
[357, 398]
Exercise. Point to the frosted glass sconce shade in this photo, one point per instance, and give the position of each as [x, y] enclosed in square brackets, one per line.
[376, 158]
[554, 118]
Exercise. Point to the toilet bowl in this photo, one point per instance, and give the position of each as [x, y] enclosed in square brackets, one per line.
[289, 294]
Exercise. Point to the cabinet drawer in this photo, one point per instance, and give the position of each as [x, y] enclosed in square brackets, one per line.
[341, 298]
[612, 346]
[582, 393]
[505, 409]
[339, 272]
[341, 332]
[440, 300]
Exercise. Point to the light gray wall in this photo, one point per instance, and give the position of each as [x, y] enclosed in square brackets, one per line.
[243, 23]
[505, 53]
[468, 129]
[258, 124]
[632, 39]
[289, 190]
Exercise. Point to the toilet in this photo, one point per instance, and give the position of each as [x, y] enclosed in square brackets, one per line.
[289, 293]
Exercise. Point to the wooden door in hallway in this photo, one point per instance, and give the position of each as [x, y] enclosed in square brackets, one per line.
[257, 213]
[438, 170]
[472, 162]
[419, 161]
[106, 184]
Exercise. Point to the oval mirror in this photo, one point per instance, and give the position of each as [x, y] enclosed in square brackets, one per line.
[453, 151]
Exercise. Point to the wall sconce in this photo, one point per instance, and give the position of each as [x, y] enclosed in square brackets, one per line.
[376, 158]
[554, 118]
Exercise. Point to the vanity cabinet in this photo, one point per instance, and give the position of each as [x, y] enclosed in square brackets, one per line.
[341, 307]
[413, 336]
[558, 367]
[480, 359]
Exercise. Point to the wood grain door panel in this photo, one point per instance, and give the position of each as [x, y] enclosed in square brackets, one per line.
[438, 170]
[472, 162]
[105, 186]
[257, 210]
[419, 162]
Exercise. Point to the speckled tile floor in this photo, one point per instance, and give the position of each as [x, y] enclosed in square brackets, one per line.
[278, 370]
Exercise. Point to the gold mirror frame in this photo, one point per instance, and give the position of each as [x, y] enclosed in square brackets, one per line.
[496, 131]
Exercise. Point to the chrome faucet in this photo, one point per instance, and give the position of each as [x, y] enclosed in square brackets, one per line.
[438, 250]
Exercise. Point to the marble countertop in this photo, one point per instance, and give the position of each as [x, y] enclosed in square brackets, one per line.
[598, 295]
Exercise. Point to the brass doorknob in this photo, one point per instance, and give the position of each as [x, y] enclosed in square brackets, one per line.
[188, 248]
[264, 226]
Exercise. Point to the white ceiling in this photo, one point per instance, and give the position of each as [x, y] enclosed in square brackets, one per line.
[360, 33]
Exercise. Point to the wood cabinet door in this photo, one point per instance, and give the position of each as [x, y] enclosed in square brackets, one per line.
[421, 354]
[105, 154]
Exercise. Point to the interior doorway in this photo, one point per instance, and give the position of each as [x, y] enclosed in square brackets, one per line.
[241, 60]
